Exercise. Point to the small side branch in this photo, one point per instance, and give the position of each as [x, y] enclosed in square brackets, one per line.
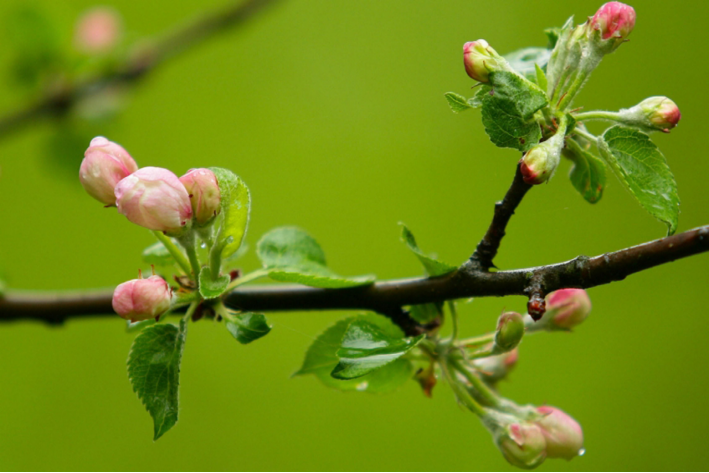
[137, 66]
[488, 246]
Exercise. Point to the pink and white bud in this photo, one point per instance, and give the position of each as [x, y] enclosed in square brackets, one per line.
[652, 114]
[480, 60]
[567, 308]
[563, 435]
[203, 189]
[523, 445]
[539, 163]
[614, 21]
[105, 164]
[510, 330]
[154, 198]
[98, 30]
[142, 299]
[496, 367]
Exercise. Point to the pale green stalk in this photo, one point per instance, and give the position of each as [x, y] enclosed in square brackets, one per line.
[174, 251]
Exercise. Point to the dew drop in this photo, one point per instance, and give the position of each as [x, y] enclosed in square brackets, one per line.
[582, 452]
[203, 245]
[362, 386]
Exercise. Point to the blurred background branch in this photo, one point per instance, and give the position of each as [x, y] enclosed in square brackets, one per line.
[140, 61]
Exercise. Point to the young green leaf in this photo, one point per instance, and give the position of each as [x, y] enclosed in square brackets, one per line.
[248, 327]
[365, 348]
[291, 255]
[212, 288]
[321, 358]
[158, 255]
[235, 208]
[433, 266]
[508, 108]
[540, 77]
[643, 170]
[425, 313]
[526, 60]
[457, 103]
[588, 175]
[154, 371]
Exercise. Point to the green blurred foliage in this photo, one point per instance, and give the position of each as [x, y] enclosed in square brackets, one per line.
[333, 113]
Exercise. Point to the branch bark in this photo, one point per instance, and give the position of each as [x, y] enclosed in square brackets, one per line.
[136, 66]
[468, 281]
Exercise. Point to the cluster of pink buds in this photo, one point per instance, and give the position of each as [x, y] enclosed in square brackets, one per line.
[565, 309]
[544, 432]
[153, 198]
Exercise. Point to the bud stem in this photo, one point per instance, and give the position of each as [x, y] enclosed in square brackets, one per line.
[475, 342]
[188, 241]
[174, 251]
[252, 276]
[190, 310]
[461, 393]
[592, 138]
[597, 115]
[487, 395]
[454, 321]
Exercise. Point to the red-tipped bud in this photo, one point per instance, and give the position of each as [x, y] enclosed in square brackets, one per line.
[203, 189]
[154, 198]
[98, 30]
[523, 445]
[142, 299]
[494, 368]
[539, 163]
[614, 21]
[510, 330]
[480, 60]
[567, 308]
[564, 436]
[105, 164]
[652, 114]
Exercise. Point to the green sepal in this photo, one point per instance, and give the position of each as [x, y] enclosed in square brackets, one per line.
[588, 175]
[247, 327]
[432, 266]
[540, 77]
[212, 288]
[235, 208]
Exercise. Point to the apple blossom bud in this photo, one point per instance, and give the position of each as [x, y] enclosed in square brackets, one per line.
[614, 21]
[142, 299]
[523, 445]
[652, 114]
[98, 30]
[567, 308]
[539, 163]
[510, 329]
[154, 198]
[564, 436]
[203, 190]
[497, 367]
[105, 164]
[480, 59]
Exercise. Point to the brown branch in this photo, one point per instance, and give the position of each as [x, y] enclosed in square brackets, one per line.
[488, 246]
[383, 296]
[137, 65]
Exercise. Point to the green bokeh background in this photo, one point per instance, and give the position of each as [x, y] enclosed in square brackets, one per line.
[333, 113]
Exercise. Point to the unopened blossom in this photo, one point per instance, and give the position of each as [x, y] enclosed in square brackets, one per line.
[98, 30]
[105, 164]
[154, 198]
[510, 329]
[142, 299]
[564, 436]
[480, 59]
[205, 196]
[614, 21]
[523, 445]
[652, 114]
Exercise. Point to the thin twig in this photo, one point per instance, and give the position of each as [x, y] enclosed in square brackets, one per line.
[137, 65]
[383, 296]
[488, 246]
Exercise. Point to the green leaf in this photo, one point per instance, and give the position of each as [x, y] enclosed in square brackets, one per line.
[643, 170]
[321, 358]
[235, 205]
[212, 288]
[154, 371]
[365, 348]
[158, 255]
[425, 313]
[525, 61]
[508, 108]
[291, 255]
[433, 266]
[540, 77]
[588, 175]
[552, 35]
[457, 103]
[248, 327]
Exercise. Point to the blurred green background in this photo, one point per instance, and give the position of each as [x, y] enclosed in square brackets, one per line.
[333, 113]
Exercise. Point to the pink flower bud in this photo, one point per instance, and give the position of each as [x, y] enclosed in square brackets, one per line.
[142, 299]
[510, 329]
[567, 308]
[105, 164]
[203, 189]
[564, 436]
[480, 59]
[496, 367]
[523, 445]
[662, 112]
[615, 21]
[539, 163]
[98, 30]
[154, 198]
